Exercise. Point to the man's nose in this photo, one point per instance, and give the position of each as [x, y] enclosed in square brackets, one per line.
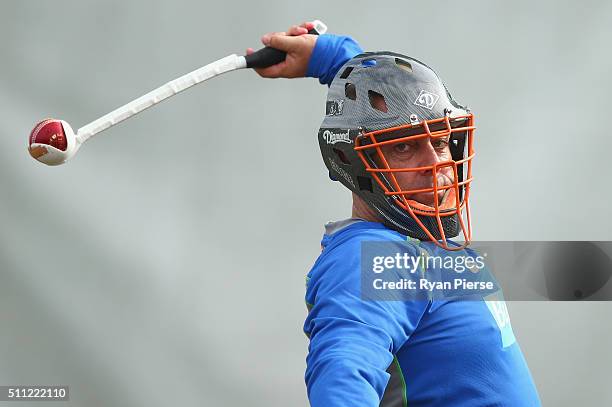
[428, 156]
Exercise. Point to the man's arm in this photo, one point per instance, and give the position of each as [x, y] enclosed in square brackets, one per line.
[352, 341]
[329, 54]
[308, 55]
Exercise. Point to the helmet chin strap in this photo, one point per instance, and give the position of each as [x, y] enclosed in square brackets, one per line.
[364, 211]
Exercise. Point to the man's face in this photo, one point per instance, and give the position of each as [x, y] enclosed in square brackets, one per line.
[421, 152]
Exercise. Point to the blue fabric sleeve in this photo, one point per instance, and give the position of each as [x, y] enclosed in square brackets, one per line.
[352, 341]
[329, 54]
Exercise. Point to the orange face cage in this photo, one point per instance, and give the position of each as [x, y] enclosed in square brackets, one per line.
[456, 197]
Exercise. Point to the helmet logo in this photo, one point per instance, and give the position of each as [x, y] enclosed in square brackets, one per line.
[333, 137]
[426, 100]
[334, 107]
[342, 172]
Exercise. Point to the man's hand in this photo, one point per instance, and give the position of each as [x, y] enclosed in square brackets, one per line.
[298, 45]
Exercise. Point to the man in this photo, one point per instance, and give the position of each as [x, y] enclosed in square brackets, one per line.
[395, 137]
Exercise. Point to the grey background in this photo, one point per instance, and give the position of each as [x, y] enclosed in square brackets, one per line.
[164, 265]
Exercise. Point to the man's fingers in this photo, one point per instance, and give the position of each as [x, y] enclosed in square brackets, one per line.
[297, 30]
[274, 71]
[308, 25]
[294, 30]
[283, 42]
[265, 40]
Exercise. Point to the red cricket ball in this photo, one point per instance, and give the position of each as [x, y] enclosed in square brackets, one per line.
[49, 132]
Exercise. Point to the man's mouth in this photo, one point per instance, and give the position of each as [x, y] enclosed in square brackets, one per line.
[427, 198]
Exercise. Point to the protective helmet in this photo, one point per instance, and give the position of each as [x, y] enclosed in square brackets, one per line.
[378, 99]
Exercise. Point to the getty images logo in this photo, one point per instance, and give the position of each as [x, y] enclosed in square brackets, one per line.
[337, 136]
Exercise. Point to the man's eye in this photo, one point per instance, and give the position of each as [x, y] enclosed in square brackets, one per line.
[439, 143]
[402, 147]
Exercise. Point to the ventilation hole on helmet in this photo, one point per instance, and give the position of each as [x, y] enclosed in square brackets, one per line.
[405, 65]
[365, 184]
[341, 156]
[377, 101]
[346, 72]
[368, 62]
[350, 91]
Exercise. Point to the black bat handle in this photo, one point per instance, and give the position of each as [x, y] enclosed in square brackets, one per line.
[268, 56]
